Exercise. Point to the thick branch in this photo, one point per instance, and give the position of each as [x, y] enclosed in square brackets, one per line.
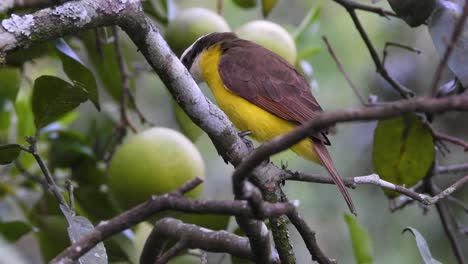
[168, 229]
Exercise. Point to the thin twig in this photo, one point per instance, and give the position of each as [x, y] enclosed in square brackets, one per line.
[219, 7]
[448, 191]
[444, 215]
[343, 72]
[350, 7]
[51, 185]
[451, 139]
[398, 45]
[370, 9]
[69, 186]
[125, 84]
[452, 168]
[374, 179]
[175, 250]
[448, 51]
[308, 236]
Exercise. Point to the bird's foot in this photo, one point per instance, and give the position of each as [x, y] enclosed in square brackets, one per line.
[246, 141]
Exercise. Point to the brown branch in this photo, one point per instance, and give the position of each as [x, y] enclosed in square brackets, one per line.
[168, 229]
[448, 51]
[374, 179]
[308, 236]
[371, 9]
[175, 250]
[157, 204]
[445, 218]
[343, 72]
[125, 87]
[220, 7]
[451, 139]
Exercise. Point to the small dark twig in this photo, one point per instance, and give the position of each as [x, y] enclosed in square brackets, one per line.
[219, 7]
[350, 7]
[451, 139]
[343, 72]
[308, 235]
[51, 185]
[370, 9]
[125, 83]
[448, 51]
[398, 45]
[444, 215]
[175, 250]
[69, 186]
[452, 168]
[187, 186]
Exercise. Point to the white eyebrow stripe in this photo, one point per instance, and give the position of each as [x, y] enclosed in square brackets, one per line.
[191, 46]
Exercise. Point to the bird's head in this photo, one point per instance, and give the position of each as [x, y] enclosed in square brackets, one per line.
[191, 56]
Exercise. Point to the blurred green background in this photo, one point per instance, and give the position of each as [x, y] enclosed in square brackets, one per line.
[322, 205]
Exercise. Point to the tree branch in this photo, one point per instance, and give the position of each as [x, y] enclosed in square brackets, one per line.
[168, 229]
[166, 202]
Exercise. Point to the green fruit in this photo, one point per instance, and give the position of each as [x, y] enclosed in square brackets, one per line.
[153, 162]
[190, 24]
[271, 36]
[245, 3]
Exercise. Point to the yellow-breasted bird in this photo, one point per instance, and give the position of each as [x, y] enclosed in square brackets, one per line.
[260, 92]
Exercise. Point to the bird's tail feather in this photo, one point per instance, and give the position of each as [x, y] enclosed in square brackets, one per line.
[327, 162]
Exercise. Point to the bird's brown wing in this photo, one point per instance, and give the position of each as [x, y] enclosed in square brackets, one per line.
[268, 81]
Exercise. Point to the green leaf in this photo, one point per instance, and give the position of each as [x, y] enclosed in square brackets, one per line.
[422, 246]
[9, 153]
[267, 6]
[53, 97]
[362, 245]
[80, 75]
[78, 227]
[312, 16]
[403, 151]
[10, 79]
[14, 230]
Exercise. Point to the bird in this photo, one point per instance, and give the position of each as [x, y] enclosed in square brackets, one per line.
[261, 93]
